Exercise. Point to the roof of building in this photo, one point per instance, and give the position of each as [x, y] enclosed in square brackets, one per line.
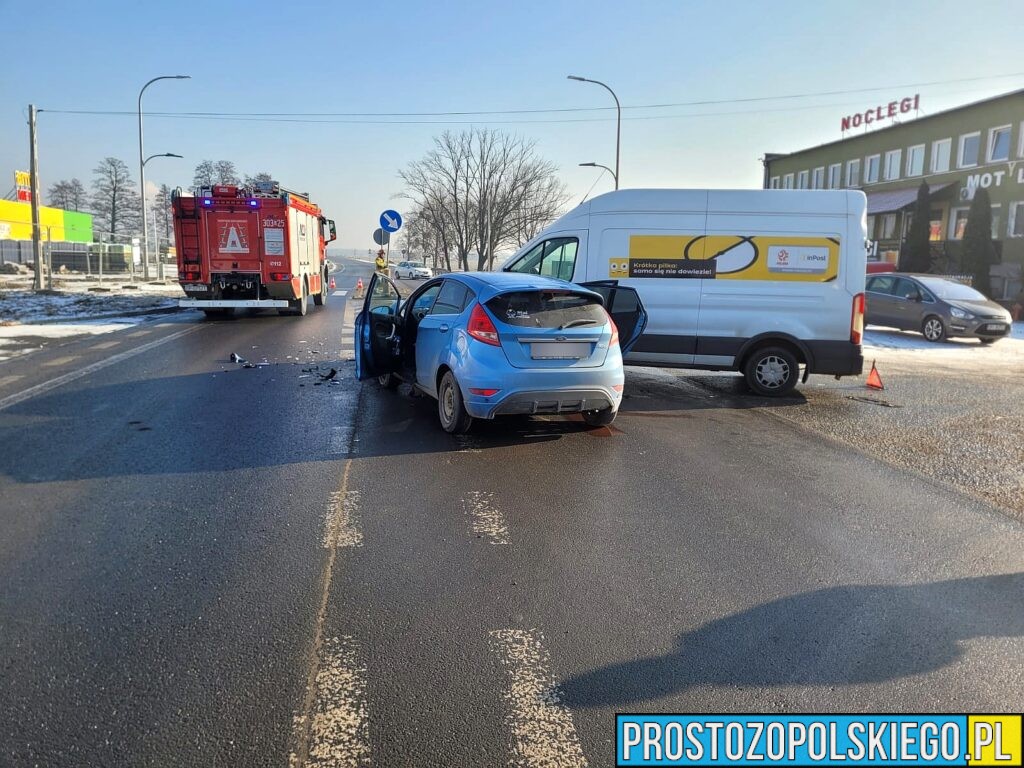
[889, 200]
[773, 156]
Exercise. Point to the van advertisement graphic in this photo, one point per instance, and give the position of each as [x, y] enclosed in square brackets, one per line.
[729, 257]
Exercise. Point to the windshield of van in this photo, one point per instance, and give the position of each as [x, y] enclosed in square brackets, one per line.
[951, 290]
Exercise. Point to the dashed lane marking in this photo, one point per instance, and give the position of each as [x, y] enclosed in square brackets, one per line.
[46, 386]
[106, 345]
[339, 293]
[543, 732]
[11, 379]
[341, 526]
[60, 361]
[486, 519]
[136, 334]
[339, 731]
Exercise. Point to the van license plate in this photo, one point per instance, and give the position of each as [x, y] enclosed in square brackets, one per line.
[559, 350]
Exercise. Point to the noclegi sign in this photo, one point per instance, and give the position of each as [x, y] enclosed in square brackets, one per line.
[881, 112]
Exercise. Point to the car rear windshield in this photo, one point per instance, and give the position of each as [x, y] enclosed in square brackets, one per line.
[548, 309]
[948, 289]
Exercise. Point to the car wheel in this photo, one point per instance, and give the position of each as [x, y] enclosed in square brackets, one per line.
[388, 380]
[933, 328]
[772, 371]
[601, 418]
[455, 420]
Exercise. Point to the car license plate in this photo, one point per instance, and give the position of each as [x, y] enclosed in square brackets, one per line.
[559, 350]
[995, 327]
[195, 287]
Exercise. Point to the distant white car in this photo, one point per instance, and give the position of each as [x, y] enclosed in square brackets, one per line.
[412, 270]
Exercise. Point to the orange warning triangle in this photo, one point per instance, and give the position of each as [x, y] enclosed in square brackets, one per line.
[874, 380]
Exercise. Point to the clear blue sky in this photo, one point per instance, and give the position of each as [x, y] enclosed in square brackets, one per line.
[451, 56]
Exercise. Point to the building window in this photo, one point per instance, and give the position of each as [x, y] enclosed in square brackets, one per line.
[999, 144]
[787, 181]
[833, 175]
[892, 164]
[871, 227]
[871, 169]
[1020, 141]
[915, 160]
[818, 180]
[957, 223]
[935, 224]
[801, 180]
[968, 154]
[940, 155]
[995, 221]
[888, 227]
[774, 183]
[1015, 227]
[853, 173]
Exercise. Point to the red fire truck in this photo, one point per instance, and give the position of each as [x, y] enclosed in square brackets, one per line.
[258, 247]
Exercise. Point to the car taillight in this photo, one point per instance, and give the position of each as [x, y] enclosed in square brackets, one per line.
[280, 276]
[857, 320]
[481, 328]
[615, 331]
[484, 392]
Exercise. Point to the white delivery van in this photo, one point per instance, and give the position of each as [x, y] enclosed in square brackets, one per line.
[757, 281]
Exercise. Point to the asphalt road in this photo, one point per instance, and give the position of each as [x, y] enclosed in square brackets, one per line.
[203, 564]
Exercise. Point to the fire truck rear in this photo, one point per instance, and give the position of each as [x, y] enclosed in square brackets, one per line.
[258, 247]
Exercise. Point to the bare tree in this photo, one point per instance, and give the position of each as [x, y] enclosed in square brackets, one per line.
[76, 195]
[225, 172]
[205, 174]
[115, 203]
[161, 210]
[481, 190]
[58, 195]
[251, 181]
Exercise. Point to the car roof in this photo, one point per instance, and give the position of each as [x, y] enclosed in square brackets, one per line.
[492, 283]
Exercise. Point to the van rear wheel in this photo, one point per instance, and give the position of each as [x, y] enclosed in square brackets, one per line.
[772, 371]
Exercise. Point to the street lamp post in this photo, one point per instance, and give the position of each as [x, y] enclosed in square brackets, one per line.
[142, 174]
[160, 271]
[598, 165]
[618, 121]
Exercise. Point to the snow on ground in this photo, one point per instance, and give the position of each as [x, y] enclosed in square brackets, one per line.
[23, 338]
[74, 297]
[904, 348]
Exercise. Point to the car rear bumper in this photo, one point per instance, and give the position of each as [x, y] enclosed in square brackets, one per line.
[528, 391]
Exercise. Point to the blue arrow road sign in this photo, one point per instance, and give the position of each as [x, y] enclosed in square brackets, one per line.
[391, 221]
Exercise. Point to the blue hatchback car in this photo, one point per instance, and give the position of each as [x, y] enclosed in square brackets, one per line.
[487, 344]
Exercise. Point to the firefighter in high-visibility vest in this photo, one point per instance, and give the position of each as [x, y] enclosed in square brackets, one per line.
[381, 263]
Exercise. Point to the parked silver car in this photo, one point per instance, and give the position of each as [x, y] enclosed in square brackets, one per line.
[412, 270]
[935, 306]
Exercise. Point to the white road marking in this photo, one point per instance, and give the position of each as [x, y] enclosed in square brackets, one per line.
[339, 730]
[485, 518]
[543, 732]
[11, 379]
[46, 386]
[106, 345]
[60, 361]
[341, 526]
[339, 293]
[340, 440]
[139, 333]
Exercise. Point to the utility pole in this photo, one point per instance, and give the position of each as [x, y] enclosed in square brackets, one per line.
[37, 240]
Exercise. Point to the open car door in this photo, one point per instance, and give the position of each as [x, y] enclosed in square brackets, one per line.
[626, 309]
[377, 342]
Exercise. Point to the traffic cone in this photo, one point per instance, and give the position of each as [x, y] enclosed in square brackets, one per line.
[333, 286]
[874, 380]
[359, 287]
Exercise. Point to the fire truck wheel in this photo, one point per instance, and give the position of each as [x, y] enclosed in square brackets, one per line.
[301, 306]
[319, 299]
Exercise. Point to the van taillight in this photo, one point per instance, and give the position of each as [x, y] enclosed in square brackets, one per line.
[857, 320]
[481, 328]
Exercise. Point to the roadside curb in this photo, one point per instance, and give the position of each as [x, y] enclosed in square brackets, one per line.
[106, 316]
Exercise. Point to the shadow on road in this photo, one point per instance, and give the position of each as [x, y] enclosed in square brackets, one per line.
[838, 636]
